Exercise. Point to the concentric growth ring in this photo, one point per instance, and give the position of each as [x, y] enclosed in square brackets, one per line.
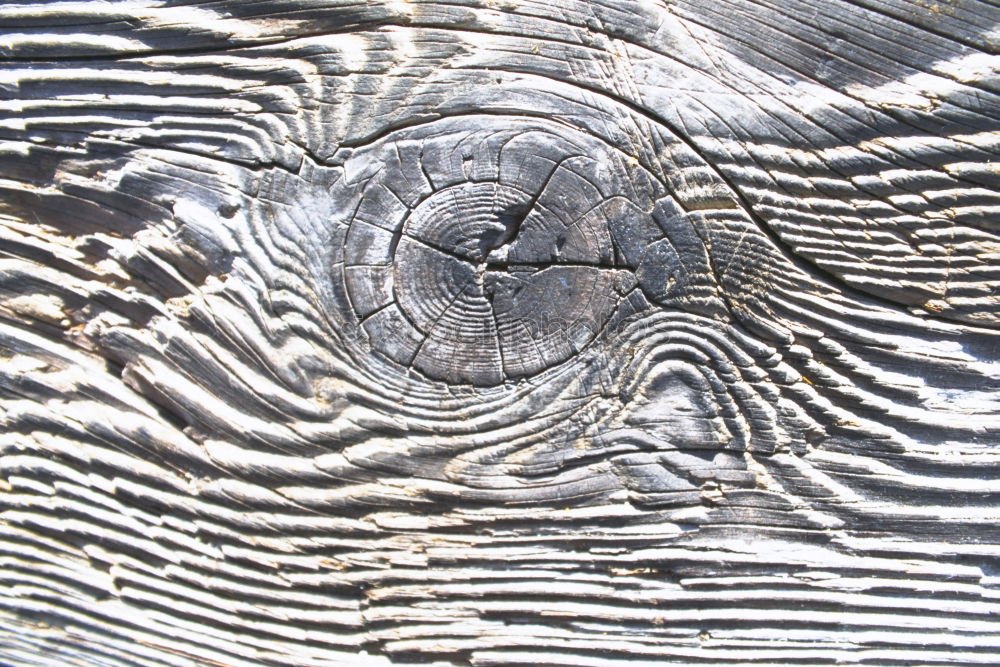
[483, 256]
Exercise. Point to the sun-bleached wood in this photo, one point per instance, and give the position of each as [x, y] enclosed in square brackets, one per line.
[563, 332]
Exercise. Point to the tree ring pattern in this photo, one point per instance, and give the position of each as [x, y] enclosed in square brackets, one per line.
[479, 253]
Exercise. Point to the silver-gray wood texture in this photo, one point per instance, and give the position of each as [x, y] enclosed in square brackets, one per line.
[560, 332]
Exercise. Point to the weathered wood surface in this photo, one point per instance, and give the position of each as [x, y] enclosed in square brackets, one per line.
[499, 332]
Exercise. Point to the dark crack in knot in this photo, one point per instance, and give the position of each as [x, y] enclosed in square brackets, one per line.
[509, 221]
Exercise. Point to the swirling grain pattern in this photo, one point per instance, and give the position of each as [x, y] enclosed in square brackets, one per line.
[498, 332]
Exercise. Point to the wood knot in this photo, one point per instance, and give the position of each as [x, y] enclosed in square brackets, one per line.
[482, 253]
